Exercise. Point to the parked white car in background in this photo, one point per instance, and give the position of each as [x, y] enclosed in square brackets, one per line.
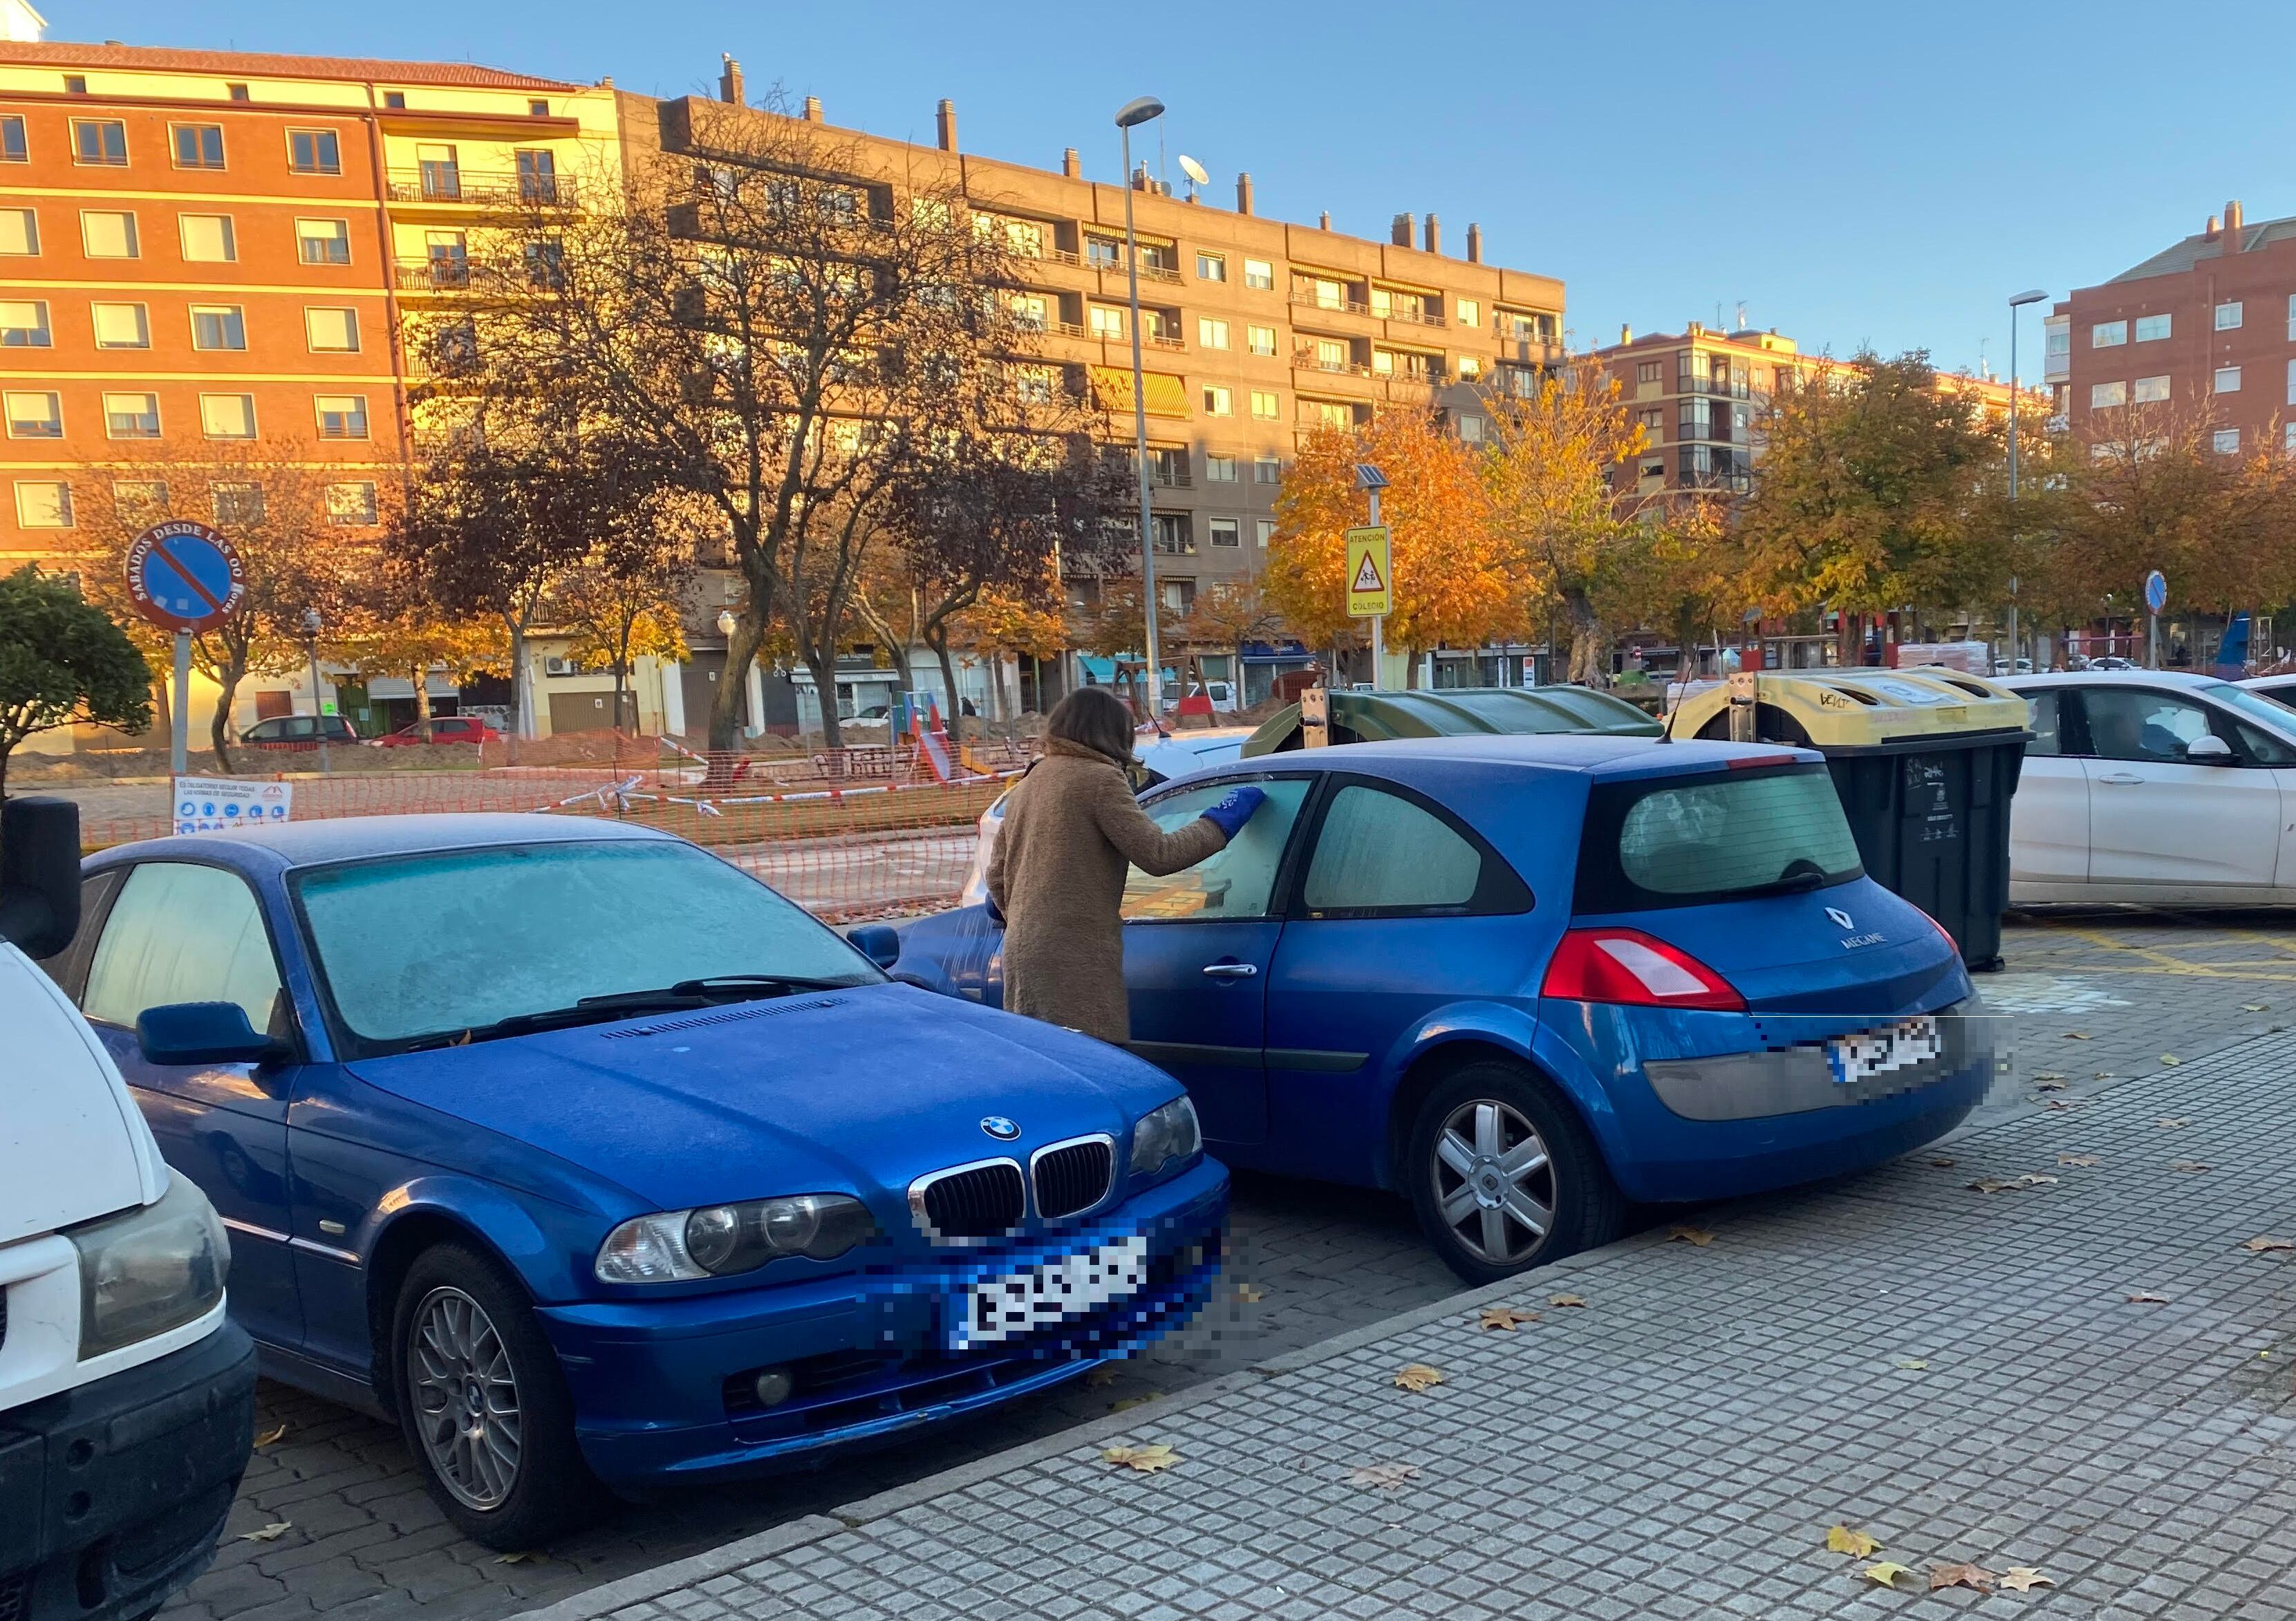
[2155, 787]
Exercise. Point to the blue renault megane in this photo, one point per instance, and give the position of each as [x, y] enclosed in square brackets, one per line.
[1523, 980]
[590, 1159]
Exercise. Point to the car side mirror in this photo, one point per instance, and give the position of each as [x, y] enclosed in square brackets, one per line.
[203, 1033]
[878, 942]
[2209, 751]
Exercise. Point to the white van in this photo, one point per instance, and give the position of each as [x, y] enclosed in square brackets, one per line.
[126, 1399]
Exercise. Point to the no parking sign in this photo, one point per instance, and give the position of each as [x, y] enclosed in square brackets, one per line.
[184, 576]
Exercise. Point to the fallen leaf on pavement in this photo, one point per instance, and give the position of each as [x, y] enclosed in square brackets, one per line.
[2261, 1245]
[1680, 1234]
[1885, 1573]
[2253, 1007]
[520, 1559]
[2024, 1579]
[2077, 1036]
[1841, 1539]
[1418, 1377]
[1960, 1575]
[1990, 1185]
[2105, 1074]
[2034, 1179]
[270, 1438]
[1912, 1365]
[2057, 1103]
[2171, 1060]
[1248, 1295]
[1945, 1164]
[2081, 1159]
[2145, 1297]
[1505, 1317]
[2191, 1164]
[1561, 1300]
[1383, 1477]
[2051, 1082]
[2169, 1122]
[1147, 1459]
[1130, 1402]
[270, 1532]
[1099, 1377]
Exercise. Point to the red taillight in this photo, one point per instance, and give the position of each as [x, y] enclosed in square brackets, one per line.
[1626, 965]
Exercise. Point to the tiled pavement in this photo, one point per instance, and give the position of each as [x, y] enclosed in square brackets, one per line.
[364, 1539]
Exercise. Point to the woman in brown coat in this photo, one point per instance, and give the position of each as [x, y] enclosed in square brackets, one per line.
[1057, 872]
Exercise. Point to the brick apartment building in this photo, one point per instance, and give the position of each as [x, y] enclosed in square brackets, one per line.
[2209, 323]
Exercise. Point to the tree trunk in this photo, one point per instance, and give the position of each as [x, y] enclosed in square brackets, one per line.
[825, 685]
[420, 677]
[520, 700]
[227, 680]
[1004, 712]
[895, 648]
[1589, 647]
[733, 681]
[163, 716]
[953, 715]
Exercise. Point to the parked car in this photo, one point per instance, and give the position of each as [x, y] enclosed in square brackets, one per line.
[444, 729]
[297, 731]
[127, 1396]
[611, 1165]
[2109, 661]
[2001, 667]
[2153, 786]
[2279, 689]
[1521, 979]
[1221, 693]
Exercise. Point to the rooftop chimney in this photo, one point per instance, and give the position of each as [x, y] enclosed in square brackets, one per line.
[2232, 219]
[946, 120]
[729, 82]
[1474, 244]
[1071, 165]
[2214, 229]
[1400, 233]
[1433, 235]
[1243, 194]
[813, 110]
[1325, 224]
[1626, 335]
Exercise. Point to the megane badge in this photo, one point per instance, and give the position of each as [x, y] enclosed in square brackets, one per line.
[1000, 1128]
[1841, 917]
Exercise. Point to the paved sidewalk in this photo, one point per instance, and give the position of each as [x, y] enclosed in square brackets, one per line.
[1961, 1375]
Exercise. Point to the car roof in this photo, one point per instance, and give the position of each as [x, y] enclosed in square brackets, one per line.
[277, 847]
[1404, 759]
[2185, 679]
[2259, 682]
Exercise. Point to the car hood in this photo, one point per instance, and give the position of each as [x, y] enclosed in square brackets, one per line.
[858, 1090]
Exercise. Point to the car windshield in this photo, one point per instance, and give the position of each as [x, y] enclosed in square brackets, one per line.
[418, 946]
[2253, 705]
[1679, 841]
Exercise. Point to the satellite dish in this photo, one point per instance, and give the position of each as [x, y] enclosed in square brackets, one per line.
[1196, 173]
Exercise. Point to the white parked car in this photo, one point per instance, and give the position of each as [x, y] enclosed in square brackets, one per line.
[2153, 786]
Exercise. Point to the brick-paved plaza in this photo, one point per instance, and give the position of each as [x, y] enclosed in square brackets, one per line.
[1677, 1447]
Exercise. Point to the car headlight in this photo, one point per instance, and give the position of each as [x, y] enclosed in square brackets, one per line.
[149, 1270]
[721, 1240]
[1166, 1136]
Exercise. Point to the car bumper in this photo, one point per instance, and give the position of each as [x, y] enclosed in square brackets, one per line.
[664, 1391]
[113, 1493]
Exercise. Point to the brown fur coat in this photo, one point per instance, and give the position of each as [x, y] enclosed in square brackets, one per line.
[1057, 874]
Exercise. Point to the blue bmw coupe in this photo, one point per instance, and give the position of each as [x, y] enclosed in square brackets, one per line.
[1522, 981]
[589, 1160]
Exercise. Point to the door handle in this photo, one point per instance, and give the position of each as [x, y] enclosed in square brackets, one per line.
[1230, 970]
[2123, 779]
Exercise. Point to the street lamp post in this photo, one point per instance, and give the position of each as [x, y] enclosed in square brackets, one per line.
[1139, 112]
[312, 624]
[2032, 296]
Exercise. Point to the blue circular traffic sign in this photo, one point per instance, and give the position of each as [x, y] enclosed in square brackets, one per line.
[2156, 592]
[184, 576]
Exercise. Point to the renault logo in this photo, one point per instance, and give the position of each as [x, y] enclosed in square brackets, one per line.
[1000, 1128]
[1841, 917]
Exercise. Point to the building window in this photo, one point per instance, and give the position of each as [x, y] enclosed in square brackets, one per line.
[1210, 333]
[1647, 371]
[2228, 380]
[1226, 532]
[24, 325]
[2228, 315]
[131, 416]
[539, 110]
[2292, 377]
[227, 416]
[1219, 470]
[1472, 428]
[218, 326]
[1035, 385]
[1467, 312]
[35, 416]
[239, 93]
[44, 503]
[2151, 390]
[1267, 406]
[1653, 421]
[1104, 322]
[1102, 253]
[341, 416]
[1470, 367]
[538, 175]
[1219, 400]
[13, 146]
[19, 232]
[142, 499]
[100, 141]
[2225, 441]
[1259, 274]
[107, 234]
[350, 504]
[2108, 335]
[207, 239]
[1259, 339]
[240, 504]
[1268, 469]
[1211, 267]
[1263, 531]
[324, 241]
[1174, 534]
[1028, 310]
[75, 84]
[315, 152]
[121, 326]
[2102, 395]
[2150, 329]
[395, 98]
[331, 332]
[198, 146]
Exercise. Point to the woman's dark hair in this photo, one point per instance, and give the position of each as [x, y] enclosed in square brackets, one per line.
[1096, 718]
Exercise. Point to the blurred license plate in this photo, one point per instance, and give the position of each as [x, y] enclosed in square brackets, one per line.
[1872, 1052]
[1020, 1303]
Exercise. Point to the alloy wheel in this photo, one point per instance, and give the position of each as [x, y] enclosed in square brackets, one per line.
[1493, 1181]
[465, 1398]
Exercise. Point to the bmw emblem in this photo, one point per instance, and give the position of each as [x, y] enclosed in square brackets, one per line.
[1000, 1128]
[1841, 918]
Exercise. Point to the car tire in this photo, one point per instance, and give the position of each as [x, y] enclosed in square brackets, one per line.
[1495, 1152]
[483, 1403]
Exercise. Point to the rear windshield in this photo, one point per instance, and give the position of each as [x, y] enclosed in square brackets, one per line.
[1679, 841]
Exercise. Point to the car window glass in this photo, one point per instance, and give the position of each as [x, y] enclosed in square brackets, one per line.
[300, 726]
[183, 933]
[2045, 711]
[2135, 723]
[1238, 881]
[1378, 851]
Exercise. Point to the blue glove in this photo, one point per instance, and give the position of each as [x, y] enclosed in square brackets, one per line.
[1231, 814]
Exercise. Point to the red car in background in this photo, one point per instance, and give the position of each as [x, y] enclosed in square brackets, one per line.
[444, 729]
[298, 732]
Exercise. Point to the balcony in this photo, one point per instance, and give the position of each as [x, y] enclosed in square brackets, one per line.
[1072, 328]
[1720, 389]
[1307, 360]
[466, 275]
[1157, 273]
[452, 184]
[1160, 340]
[1170, 476]
[1416, 317]
[1337, 306]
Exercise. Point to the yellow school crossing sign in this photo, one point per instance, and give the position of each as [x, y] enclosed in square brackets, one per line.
[1370, 573]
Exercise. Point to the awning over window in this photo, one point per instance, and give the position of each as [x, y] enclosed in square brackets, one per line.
[1112, 386]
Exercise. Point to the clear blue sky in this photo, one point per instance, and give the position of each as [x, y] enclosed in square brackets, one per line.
[1856, 173]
